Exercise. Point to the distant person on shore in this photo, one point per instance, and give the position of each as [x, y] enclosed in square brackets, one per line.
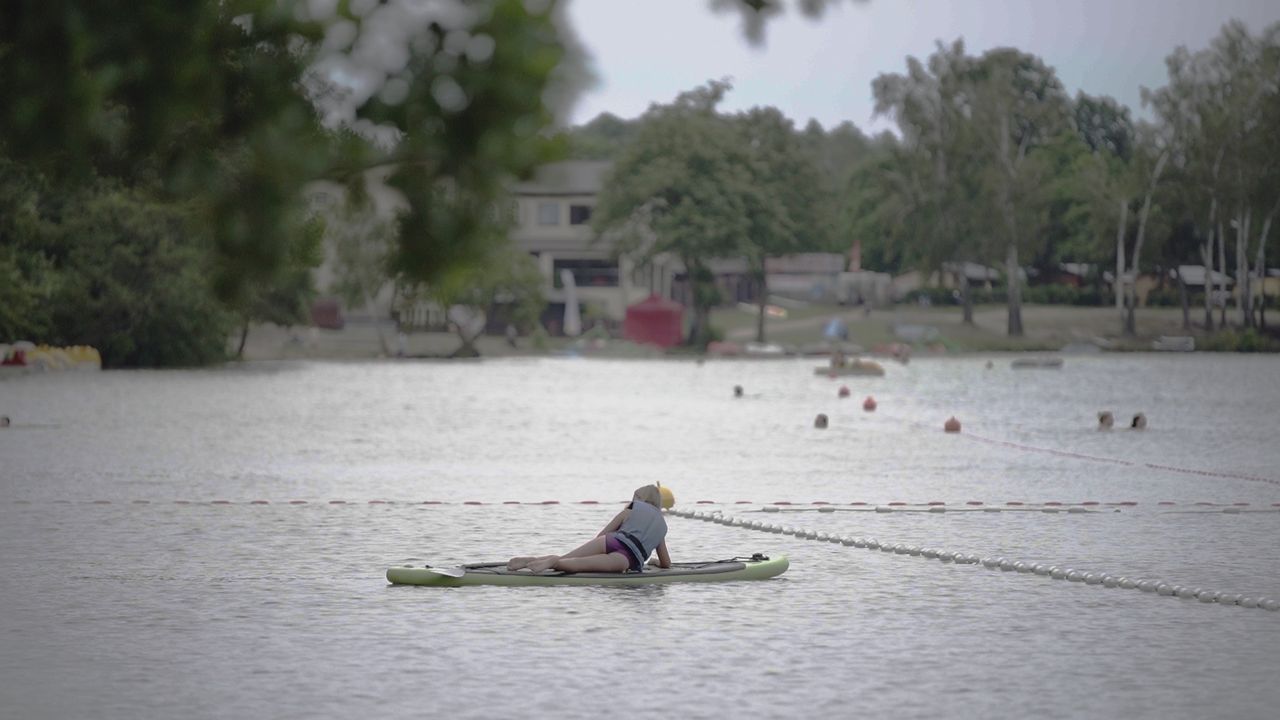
[737, 391]
[622, 546]
[1139, 422]
[511, 335]
[1106, 420]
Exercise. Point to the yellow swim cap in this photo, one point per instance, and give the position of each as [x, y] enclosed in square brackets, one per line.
[668, 497]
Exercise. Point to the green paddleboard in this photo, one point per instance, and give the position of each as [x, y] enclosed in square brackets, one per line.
[758, 567]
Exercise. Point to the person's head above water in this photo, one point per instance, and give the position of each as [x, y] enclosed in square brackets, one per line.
[649, 494]
[4, 421]
[737, 391]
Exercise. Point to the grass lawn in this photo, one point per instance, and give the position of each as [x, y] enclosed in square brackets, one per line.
[1046, 327]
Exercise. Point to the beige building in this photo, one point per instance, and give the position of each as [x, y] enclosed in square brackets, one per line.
[553, 223]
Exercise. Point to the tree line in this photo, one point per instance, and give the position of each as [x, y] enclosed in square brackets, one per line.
[993, 163]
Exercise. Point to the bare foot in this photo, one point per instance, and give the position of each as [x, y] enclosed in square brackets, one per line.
[516, 563]
[544, 563]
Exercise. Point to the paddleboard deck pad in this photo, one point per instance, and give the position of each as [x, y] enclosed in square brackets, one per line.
[756, 567]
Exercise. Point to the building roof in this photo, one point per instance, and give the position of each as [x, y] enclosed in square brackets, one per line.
[571, 177]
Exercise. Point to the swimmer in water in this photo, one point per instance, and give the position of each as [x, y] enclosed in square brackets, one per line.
[737, 391]
[1106, 420]
[820, 422]
[1139, 422]
[4, 421]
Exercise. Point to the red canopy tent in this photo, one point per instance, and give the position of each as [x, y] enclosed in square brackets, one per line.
[654, 320]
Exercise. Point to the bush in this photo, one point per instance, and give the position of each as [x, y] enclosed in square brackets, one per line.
[1245, 341]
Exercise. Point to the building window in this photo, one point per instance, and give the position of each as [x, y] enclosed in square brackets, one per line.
[548, 213]
[587, 273]
[579, 214]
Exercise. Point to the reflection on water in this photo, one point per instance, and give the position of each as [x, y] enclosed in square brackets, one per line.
[201, 610]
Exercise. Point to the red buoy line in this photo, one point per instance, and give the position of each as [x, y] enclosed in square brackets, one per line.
[1121, 461]
[952, 426]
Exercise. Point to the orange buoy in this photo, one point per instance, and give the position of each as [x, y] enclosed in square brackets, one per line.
[869, 404]
[844, 391]
[952, 425]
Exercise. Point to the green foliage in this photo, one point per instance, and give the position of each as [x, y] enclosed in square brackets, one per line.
[603, 138]
[132, 284]
[508, 277]
[219, 106]
[1248, 340]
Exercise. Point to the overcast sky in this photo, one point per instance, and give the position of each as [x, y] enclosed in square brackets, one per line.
[645, 51]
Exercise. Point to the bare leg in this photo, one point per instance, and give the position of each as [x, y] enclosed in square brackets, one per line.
[603, 562]
[594, 546]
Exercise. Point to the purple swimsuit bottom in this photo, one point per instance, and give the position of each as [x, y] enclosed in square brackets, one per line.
[613, 545]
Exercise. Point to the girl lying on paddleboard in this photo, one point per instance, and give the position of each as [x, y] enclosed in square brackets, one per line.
[623, 545]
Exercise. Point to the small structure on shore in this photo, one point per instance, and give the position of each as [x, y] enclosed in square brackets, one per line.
[654, 320]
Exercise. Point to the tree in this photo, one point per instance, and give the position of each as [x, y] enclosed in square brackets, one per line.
[788, 208]
[285, 299]
[1018, 106]
[934, 170]
[683, 187]
[509, 278]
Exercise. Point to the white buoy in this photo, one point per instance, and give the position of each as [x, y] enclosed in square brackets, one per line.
[826, 509]
[771, 508]
[1109, 581]
[1040, 569]
[821, 537]
[788, 530]
[835, 539]
[1006, 565]
[1248, 602]
[945, 556]
[913, 550]
[1269, 604]
[1058, 573]
[1147, 585]
[810, 534]
[1229, 599]
[1187, 593]
[1207, 596]
[988, 562]
[929, 552]
[1075, 576]
[697, 515]
[1093, 578]
[1125, 583]
[1164, 589]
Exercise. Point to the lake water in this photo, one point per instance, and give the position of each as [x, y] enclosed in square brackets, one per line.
[140, 579]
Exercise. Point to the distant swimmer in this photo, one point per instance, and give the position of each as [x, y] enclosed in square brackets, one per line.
[4, 421]
[1106, 420]
[820, 422]
[1139, 422]
[737, 391]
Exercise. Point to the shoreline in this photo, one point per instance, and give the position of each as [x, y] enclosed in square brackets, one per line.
[930, 331]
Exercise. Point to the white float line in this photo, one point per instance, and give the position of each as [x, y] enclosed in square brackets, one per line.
[993, 563]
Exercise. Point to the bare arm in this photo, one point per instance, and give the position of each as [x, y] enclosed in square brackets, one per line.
[615, 523]
[664, 559]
